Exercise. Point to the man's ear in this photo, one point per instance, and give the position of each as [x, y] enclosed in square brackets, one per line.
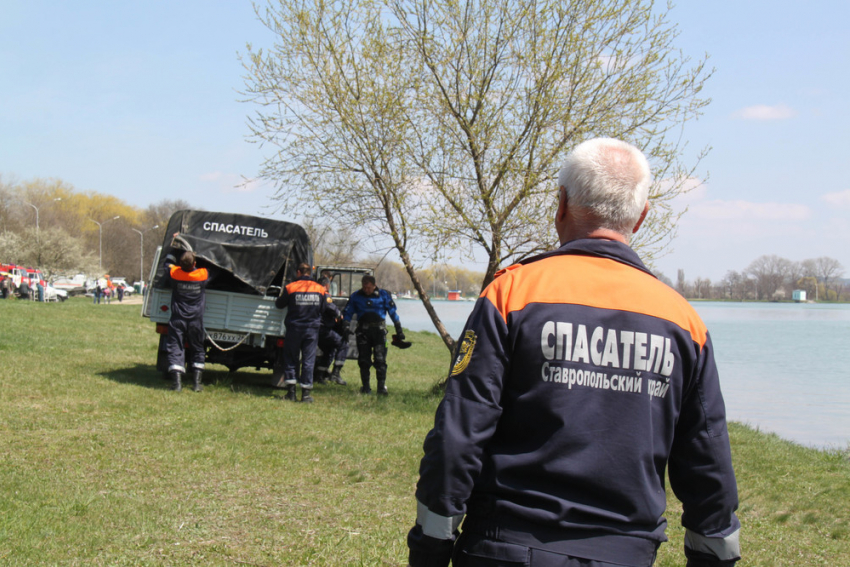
[642, 217]
[561, 214]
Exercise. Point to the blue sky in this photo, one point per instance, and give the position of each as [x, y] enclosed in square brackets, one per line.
[140, 100]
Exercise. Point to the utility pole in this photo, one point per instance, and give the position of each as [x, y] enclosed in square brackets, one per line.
[37, 229]
[142, 254]
[100, 229]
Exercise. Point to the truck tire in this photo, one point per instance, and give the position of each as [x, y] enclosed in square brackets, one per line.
[162, 357]
[277, 369]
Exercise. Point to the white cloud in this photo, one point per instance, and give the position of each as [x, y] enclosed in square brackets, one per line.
[700, 208]
[212, 176]
[839, 199]
[765, 112]
[744, 210]
[695, 190]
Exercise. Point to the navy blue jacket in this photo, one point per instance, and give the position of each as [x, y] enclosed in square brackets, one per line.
[330, 316]
[579, 379]
[306, 300]
[188, 290]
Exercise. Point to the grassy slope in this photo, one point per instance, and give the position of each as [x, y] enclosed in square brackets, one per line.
[101, 465]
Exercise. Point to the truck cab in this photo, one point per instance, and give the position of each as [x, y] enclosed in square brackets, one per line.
[345, 280]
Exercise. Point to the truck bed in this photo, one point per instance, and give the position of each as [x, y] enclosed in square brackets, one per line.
[227, 312]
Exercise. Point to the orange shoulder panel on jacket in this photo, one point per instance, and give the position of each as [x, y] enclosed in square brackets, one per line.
[593, 282]
[504, 271]
[305, 286]
[197, 275]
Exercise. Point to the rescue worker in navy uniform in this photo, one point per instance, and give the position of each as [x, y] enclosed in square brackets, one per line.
[333, 340]
[372, 305]
[186, 326]
[306, 301]
[578, 381]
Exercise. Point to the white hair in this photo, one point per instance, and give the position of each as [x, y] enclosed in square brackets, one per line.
[608, 178]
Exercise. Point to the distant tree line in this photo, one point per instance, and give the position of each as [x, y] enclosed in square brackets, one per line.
[772, 278]
[48, 224]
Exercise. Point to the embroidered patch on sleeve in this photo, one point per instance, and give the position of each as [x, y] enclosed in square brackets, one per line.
[467, 345]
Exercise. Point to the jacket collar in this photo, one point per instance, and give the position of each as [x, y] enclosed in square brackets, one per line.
[598, 247]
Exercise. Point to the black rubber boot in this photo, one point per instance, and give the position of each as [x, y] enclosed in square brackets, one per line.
[306, 398]
[290, 396]
[381, 376]
[336, 378]
[176, 381]
[196, 379]
[366, 388]
[320, 376]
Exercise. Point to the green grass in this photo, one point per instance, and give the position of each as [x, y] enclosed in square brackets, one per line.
[100, 464]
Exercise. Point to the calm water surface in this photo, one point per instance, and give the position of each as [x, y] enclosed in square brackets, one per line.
[784, 368]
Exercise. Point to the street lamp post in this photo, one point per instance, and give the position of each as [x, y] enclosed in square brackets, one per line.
[36, 212]
[142, 253]
[37, 229]
[100, 230]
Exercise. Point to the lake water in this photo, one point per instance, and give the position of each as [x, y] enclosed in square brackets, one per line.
[783, 367]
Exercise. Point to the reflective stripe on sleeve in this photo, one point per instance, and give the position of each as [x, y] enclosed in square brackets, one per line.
[434, 525]
[724, 548]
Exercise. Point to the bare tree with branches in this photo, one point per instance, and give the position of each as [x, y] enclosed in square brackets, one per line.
[435, 124]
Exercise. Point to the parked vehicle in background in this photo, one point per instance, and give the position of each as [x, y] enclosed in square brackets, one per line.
[53, 294]
[73, 285]
[19, 273]
[122, 283]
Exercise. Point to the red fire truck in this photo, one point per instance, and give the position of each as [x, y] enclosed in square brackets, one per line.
[18, 273]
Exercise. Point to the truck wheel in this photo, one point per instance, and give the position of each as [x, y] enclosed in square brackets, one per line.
[162, 357]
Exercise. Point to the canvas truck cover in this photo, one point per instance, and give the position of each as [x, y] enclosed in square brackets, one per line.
[247, 254]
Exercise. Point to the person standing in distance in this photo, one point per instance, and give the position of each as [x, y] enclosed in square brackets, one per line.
[186, 326]
[579, 381]
[305, 300]
[372, 305]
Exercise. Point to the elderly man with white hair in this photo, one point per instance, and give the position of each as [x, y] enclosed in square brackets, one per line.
[579, 381]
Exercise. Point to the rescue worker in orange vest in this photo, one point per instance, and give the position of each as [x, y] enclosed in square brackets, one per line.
[186, 326]
[306, 300]
[580, 385]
